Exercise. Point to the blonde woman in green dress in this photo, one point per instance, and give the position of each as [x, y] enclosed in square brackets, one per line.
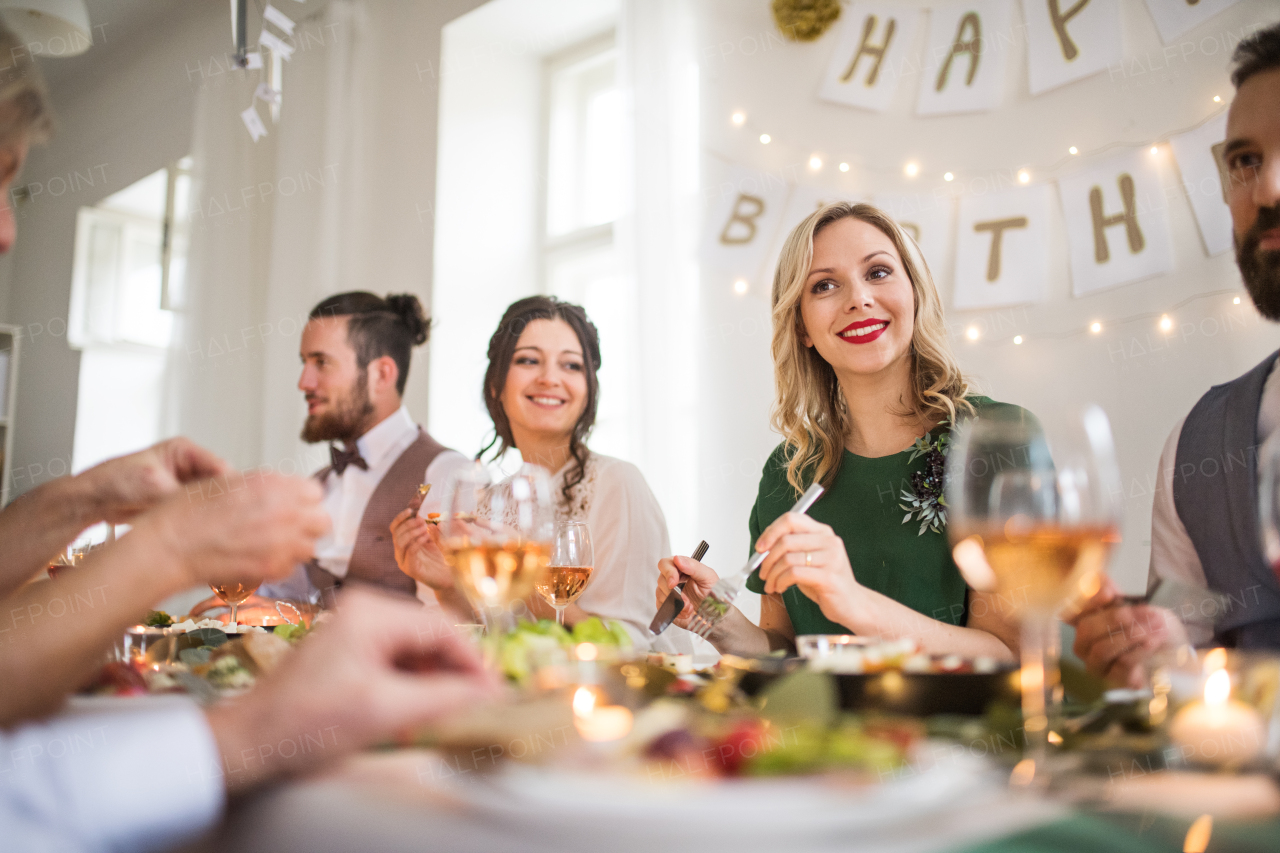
[867, 387]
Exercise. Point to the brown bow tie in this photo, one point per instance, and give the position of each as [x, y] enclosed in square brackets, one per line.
[340, 459]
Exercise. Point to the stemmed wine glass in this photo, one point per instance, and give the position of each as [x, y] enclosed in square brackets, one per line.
[1032, 515]
[497, 537]
[572, 561]
[233, 595]
[1269, 500]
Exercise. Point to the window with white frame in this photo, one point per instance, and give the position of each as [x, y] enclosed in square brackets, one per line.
[586, 194]
[127, 277]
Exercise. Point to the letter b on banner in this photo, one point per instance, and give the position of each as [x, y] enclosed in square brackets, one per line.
[744, 212]
[1117, 223]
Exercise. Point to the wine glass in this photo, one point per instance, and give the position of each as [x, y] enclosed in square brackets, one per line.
[497, 538]
[1032, 515]
[572, 561]
[233, 595]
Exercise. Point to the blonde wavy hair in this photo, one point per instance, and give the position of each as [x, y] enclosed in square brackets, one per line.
[809, 410]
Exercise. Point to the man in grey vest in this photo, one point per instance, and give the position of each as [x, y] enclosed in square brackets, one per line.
[355, 359]
[1204, 529]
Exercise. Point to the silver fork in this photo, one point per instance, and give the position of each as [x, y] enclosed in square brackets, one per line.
[720, 598]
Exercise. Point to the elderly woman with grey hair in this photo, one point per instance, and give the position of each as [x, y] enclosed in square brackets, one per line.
[84, 797]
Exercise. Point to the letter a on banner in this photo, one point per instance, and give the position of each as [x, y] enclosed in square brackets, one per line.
[1070, 39]
[1117, 223]
[872, 54]
[967, 52]
[744, 214]
[1002, 247]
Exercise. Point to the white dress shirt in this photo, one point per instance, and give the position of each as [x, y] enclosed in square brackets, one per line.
[346, 496]
[138, 779]
[1173, 556]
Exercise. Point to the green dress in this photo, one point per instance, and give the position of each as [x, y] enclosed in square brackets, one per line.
[887, 555]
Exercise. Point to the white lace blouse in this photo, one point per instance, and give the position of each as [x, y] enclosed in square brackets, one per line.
[629, 535]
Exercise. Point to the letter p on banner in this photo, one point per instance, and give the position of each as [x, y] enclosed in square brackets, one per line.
[1117, 222]
[1070, 39]
[873, 52]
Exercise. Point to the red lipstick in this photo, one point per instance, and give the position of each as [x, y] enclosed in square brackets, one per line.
[864, 337]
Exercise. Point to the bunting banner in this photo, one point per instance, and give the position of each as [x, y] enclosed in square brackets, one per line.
[1117, 222]
[927, 218]
[1068, 40]
[872, 54]
[1002, 248]
[1198, 154]
[1176, 18]
[745, 213]
[967, 52]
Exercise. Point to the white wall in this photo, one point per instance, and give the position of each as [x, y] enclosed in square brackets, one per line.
[1144, 380]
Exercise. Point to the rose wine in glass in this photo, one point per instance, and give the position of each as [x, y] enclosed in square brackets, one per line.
[572, 561]
[497, 537]
[233, 595]
[1032, 516]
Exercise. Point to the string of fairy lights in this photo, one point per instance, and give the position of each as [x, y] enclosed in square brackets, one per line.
[1164, 321]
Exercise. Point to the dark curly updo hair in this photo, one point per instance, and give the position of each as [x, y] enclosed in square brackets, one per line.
[376, 326]
[502, 347]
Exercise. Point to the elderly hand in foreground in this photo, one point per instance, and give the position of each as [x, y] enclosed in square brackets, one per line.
[379, 667]
[247, 528]
[1115, 640]
[123, 487]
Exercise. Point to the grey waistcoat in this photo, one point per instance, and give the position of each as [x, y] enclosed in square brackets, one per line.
[1215, 490]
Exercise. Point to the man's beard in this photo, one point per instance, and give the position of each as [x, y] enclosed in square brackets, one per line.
[348, 419]
[1260, 268]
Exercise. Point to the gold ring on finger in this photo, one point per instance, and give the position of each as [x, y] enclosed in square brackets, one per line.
[808, 558]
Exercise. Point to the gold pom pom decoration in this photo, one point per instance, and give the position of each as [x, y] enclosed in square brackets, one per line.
[805, 20]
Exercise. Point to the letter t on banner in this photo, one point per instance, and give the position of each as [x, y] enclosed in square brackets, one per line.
[1117, 220]
[1070, 39]
[872, 53]
[1002, 247]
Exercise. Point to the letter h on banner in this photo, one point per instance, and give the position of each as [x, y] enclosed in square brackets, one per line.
[872, 52]
[1117, 223]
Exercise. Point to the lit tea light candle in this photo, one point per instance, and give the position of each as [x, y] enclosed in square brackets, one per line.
[599, 723]
[1218, 731]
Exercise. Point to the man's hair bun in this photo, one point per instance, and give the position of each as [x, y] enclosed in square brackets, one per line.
[409, 309]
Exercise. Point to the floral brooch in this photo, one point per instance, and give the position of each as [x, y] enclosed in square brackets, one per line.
[926, 502]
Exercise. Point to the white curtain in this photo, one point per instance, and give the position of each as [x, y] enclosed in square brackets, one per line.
[324, 203]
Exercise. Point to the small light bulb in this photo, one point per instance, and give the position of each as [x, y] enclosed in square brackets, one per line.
[815, 162]
[740, 286]
[1165, 323]
[1155, 150]
[911, 169]
[1217, 99]
[1235, 301]
[844, 167]
[765, 139]
[1073, 150]
[1024, 176]
[1017, 339]
[972, 333]
[1095, 327]
[738, 118]
[948, 177]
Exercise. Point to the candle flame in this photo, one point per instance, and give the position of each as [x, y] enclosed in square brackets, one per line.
[1215, 660]
[1217, 689]
[584, 702]
[1198, 835]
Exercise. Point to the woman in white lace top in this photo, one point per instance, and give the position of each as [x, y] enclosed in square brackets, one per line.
[541, 391]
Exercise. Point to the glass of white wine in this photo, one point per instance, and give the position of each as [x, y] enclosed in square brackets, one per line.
[572, 562]
[1032, 516]
[233, 595]
[497, 537]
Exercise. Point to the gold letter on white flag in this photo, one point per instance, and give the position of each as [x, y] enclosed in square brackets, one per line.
[872, 53]
[965, 57]
[1070, 39]
[1002, 248]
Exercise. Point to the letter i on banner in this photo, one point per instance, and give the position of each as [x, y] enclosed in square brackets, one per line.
[1002, 247]
[1117, 222]
[873, 52]
[744, 214]
[965, 57]
[1070, 39]
[1197, 153]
